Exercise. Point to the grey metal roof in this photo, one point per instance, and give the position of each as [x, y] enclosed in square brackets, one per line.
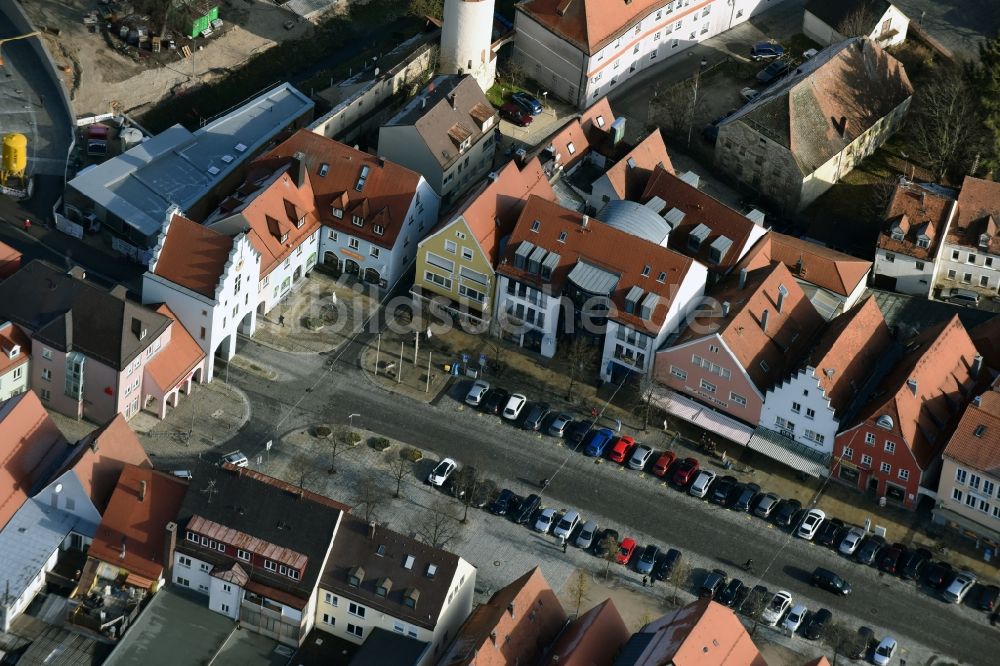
[674, 217]
[656, 204]
[537, 256]
[701, 232]
[592, 279]
[178, 167]
[691, 178]
[522, 252]
[634, 294]
[635, 219]
[756, 216]
[648, 305]
[552, 261]
[722, 245]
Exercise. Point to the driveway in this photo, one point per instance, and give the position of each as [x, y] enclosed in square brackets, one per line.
[958, 24]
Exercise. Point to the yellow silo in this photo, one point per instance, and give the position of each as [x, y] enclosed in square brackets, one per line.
[15, 157]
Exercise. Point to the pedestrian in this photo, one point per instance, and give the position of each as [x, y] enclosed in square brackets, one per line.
[27, 224]
[618, 425]
[564, 544]
[645, 581]
[593, 412]
[704, 63]
[281, 320]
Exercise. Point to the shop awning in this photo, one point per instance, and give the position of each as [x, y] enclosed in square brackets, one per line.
[704, 417]
[789, 452]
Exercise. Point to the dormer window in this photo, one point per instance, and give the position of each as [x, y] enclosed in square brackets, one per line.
[357, 220]
[379, 229]
[355, 576]
[923, 241]
[884, 421]
[14, 351]
[383, 586]
[338, 212]
[411, 597]
[283, 238]
[300, 222]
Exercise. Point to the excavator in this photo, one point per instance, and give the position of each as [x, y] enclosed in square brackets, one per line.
[11, 39]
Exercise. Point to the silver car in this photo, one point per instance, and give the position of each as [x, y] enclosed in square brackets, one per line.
[566, 524]
[477, 392]
[766, 505]
[559, 424]
[545, 519]
[851, 541]
[640, 457]
[959, 587]
[585, 539]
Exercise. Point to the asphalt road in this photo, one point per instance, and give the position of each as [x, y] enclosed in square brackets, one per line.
[672, 518]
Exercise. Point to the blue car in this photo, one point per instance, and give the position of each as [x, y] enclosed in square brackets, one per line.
[765, 50]
[596, 442]
[527, 102]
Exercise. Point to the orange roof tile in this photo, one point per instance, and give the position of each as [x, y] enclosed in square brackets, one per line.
[703, 633]
[835, 271]
[915, 211]
[181, 355]
[10, 260]
[593, 638]
[603, 246]
[976, 440]
[12, 337]
[630, 174]
[596, 120]
[30, 446]
[135, 525]
[978, 215]
[384, 199]
[99, 458]
[193, 256]
[924, 392]
[588, 24]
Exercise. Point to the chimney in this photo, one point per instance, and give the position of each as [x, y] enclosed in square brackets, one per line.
[725, 308]
[977, 365]
[584, 221]
[121, 555]
[142, 491]
[119, 291]
[912, 383]
[842, 127]
[138, 328]
[169, 545]
[77, 272]
[763, 320]
[782, 293]
[371, 530]
[453, 100]
[743, 278]
[297, 171]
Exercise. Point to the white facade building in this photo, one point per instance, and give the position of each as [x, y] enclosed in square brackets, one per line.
[823, 20]
[15, 360]
[970, 252]
[466, 40]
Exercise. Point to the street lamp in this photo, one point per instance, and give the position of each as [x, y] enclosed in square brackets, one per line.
[350, 420]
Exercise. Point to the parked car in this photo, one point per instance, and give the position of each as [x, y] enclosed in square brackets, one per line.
[535, 415]
[858, 649]
[817, 624]
[559, 424]
[607, 543]
[891, 558]
[830, 532]
[513, 113]
[986, 597]
[794, 618]
[851, 541]
[236, 458]
[663, 463]
[959, 586]
[784, 513]
[183, 474]
[916, 562]
[625, 550]
[702, 482]
[810, 524]
[829, 581]
[640, 457]
[494, 401]
[585, 539]
[647, 559]
[527, 509]
[766, 505]
[527, 102]
[477, 392]
[545, 521]
[938, 575]
[749, 94]
[621, 449]
[746, 497]
[809, 53]
[515, 404]
[665, 564]
[755, 601]
[780, 602]
[566, 525]
[506, 502]
[885, 651]
[728, 595]
[773, 72]
[686, 469]
[869, 549]
[577, 430]
[765, 50]
[597, 441]
[712, 583]
[721, 489]
[441, 472]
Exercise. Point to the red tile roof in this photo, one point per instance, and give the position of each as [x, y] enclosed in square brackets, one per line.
[193, 256]
[602, 246]
[976, 440]
[11, 337]
[835, 271]
[384, 200]
[178, 358]
[30, 445]
[703, 633]
[10, 260]
[135, 525]
[596, 120]
[978, 214]
[767, 356]
[590, 24]
[924, 392]
[700, 208]
[631, 173]
[99, 458]
[914, 210]
[593, 638]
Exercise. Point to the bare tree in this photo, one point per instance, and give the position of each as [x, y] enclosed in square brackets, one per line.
[579, 585]
[465, 484]
[341, 438]
[302, 471]
[680, 577]
[440, 526]
[371, 495]
[399, 467]
[858, 22]
[678, 106]
[644, 399]
[841, 638]
[945, 122]
[609, 549]
[753, 607]
[580, 356]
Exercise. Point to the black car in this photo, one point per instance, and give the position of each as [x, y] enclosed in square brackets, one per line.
[578, 430]
[915, 564]
[817, 624]
[829, 532]
[755, 601]
[986, 597]
[731, 592]
[535, 415]
[494, 400]
[721, 488]
[829, 581]
[746, 497]
[712, 583]
[869, 549]
[527, 509]
[773, 72]
[858, 649]
[506, 502]
[665, 564]
[483, 493]
[938, 575]
[784, 515]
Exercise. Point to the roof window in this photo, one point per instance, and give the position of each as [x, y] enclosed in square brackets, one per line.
[324, 169]
[562, 237]
[408, 564]
[536, 225]
[431, 570]
[645, 270]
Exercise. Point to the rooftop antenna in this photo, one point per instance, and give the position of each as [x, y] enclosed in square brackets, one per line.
[210, 490]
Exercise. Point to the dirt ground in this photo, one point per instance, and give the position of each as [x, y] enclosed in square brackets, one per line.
[98, 76]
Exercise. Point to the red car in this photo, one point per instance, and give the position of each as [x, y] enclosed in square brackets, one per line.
[621, 450]
[625, 551]
[663, 463]
[513, 113]
[686, 469]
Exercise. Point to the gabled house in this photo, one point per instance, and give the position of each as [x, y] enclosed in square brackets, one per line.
[628, 177]
[805, 408]
[379, 579]
[592, 638]
[373, 211]
[908, 246]
[15, 357]
[833, 281]
[807, 130]
[566, 273]
[456, 261]
[256, 547]
[92, 349]
[828, 22]
[515, 626]
[596, 135]
[446, 133]
[970, 252]
[892, 446]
